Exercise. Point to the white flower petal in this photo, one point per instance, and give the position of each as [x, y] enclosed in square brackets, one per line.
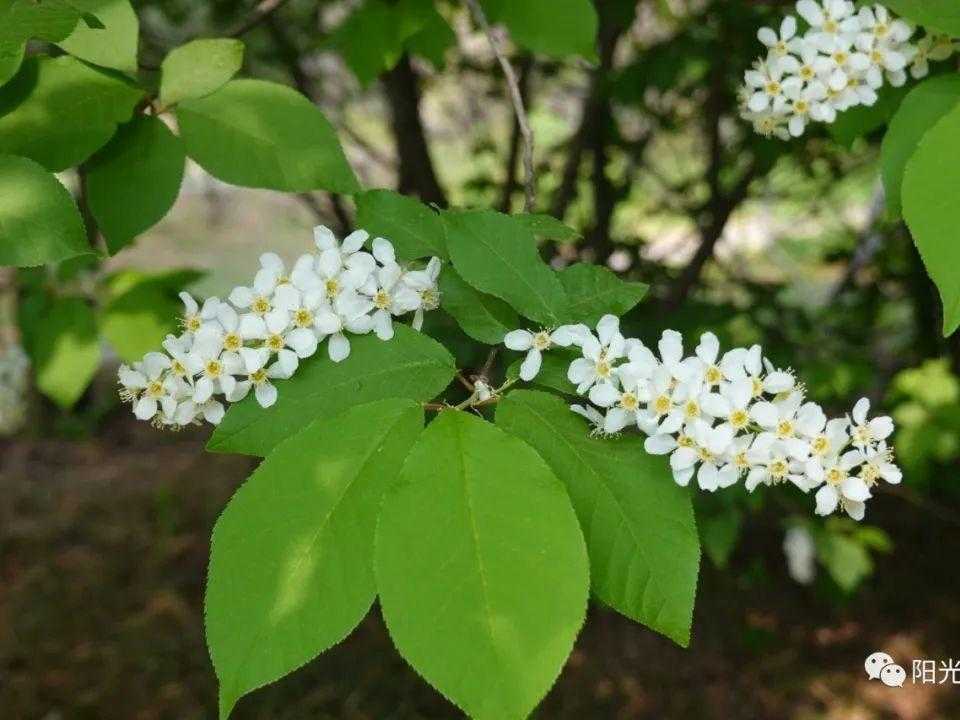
[338, 347]
[530, 365]
[827, 500]
[266, 394]
[518, 340]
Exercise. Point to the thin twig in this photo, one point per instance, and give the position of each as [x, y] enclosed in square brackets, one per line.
[484, 372]
[261, 12]
[466, 383]
[516, 98]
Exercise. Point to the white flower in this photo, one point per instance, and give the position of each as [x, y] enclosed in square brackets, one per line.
[258, 377]
[730, 366]
[844, 63]
[773, 382]
[666, 409]
[800, 551]
[239, 328]
[217, 367]
[737, 455]
[535, 344]
[768, 85]
[188, 412]
[804, 105]
[732, 403]
[342, 266]
[768, 124]
[149, 386]
[779, 419]
[830, 21]
[864, 432]
[348, 312]
[388, 295]
[593, 415]
[599, 355]
[713, 445]
[812, 64]
[682, 451]
[876, 463]
[783, 43]
[424, 283]
[259, 297]
[194, 316]
[772, 463]
[625, 404]
[839, 487]
[932, 47]
[289, 341]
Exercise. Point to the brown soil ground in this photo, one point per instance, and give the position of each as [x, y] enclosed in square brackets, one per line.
[103, 548]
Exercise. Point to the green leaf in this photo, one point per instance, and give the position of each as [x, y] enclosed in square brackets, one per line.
[372, 38]
[846, 560]
[198, 68]
[50, 20]
[936, 15]
[548, 227]
[134, 180]
[140, 316]
[66, 351]
[481, 568]
[483, 317]
[552, 27]
[920, 110]
[719, 534]
[498, 256]
[638, 523]
[39, 222]
[368, 40]
[291, 561]
[594, 291]
[415, 230]
[114, 46]
[11, 55]
[59, 111]
[409, 366]
[433, 39]
[259, 134]
[932, 213]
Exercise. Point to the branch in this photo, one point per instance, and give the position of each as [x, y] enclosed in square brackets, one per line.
[510, 184]
[263, 10]
[288, 53]
[416, 174]
[516, 98]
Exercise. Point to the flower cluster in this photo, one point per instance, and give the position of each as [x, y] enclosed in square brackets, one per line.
[14, 384]
[841, 61]
[260, 333]
[720, 417]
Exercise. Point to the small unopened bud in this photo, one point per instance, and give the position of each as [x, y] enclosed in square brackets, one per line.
[482, 390]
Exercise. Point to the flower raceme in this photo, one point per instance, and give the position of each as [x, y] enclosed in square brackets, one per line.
[720, 418]
[842, 59]
[263, 331]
